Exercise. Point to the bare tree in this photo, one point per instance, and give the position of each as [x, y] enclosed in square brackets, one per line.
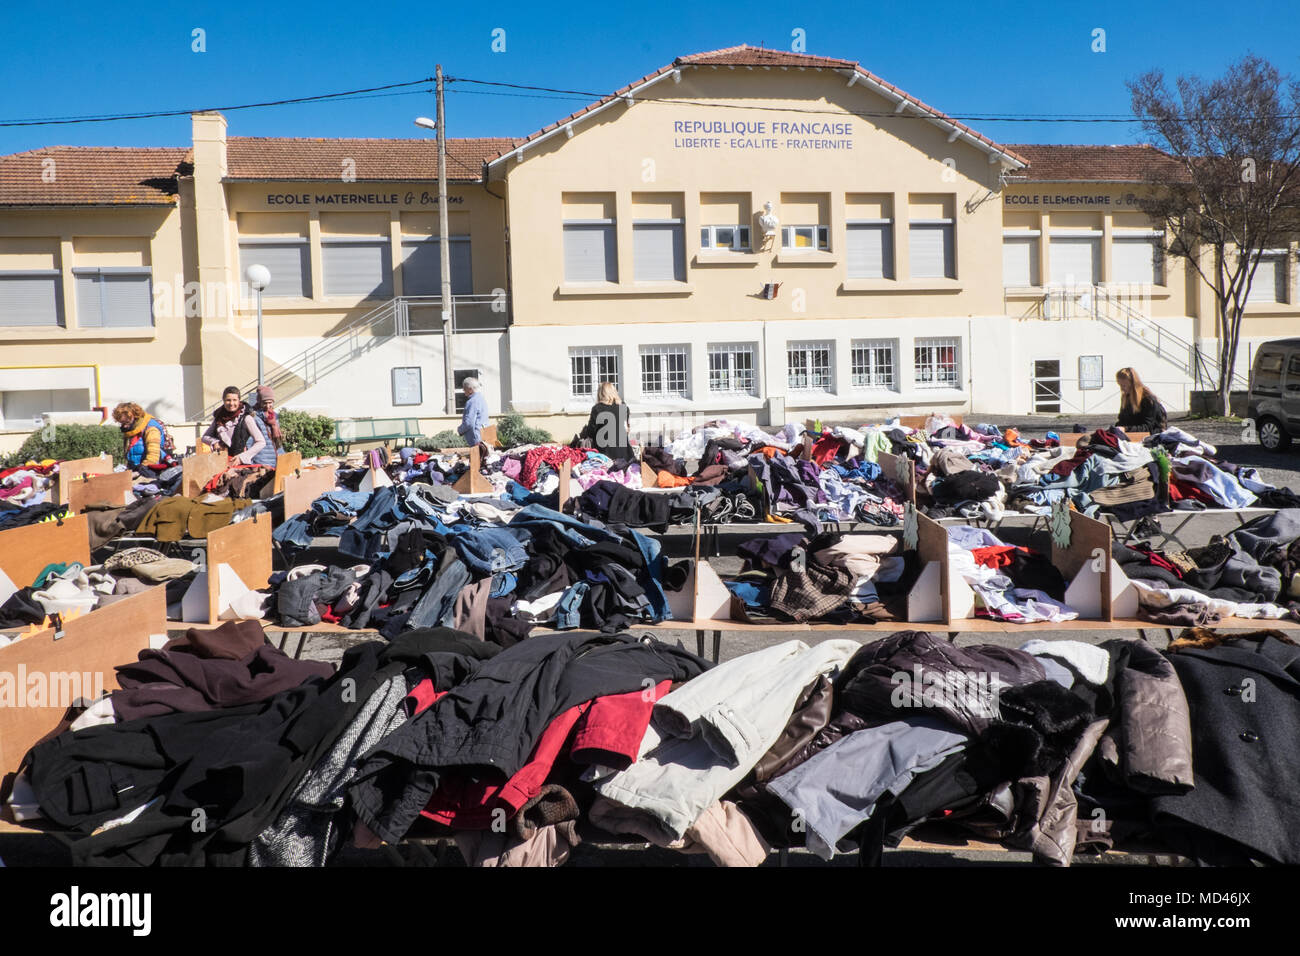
[1231, 188]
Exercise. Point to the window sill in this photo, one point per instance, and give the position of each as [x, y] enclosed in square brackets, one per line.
[726, 259]
[613, 289]
[1271, 308]
[50, 334]
[893, 285]
[788, 257]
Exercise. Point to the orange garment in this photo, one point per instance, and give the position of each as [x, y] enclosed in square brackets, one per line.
[668, 480]
[777, 519]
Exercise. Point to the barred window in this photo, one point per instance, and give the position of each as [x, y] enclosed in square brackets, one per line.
[588, 367]
[872, 364]
[937, 363]
[731, 369]
[664, 371]
[808, 366]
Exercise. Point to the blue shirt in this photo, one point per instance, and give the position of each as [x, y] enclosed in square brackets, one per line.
[475, 417]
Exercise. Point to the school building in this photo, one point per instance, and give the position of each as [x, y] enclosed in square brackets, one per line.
[745, 233]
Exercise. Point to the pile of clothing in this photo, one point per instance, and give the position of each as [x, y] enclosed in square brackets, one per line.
[522, 753]
[27, 484]
[1254, 572]
[1010, 583]
[420, 555]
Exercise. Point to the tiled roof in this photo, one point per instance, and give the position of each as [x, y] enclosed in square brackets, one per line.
[376, 160]
[760, 57]
[92, 175]
[1092, 164]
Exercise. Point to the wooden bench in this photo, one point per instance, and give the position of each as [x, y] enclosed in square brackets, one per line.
[349, 431]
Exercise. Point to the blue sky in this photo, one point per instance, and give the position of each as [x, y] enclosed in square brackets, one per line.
[75, 59]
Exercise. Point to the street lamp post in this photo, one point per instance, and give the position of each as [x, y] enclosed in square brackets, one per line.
[259, 277]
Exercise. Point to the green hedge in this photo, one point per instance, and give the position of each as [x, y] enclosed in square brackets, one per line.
[68, 442]
[512, 430]
[310, 435]
[443, 439]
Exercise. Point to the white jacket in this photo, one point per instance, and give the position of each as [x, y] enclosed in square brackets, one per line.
[707, 735]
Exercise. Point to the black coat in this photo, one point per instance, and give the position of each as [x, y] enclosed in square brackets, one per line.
[1148, 417]
[489, 724]
[1244, 803]
[607, 428]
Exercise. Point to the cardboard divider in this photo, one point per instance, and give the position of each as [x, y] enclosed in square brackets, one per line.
[649, 477]
[305, 485]
[25, 552]
[918, 421]
[238, 560]
[565, 489]
[1098, 589]
[901, 470]
[76, 661]
[285, 465]
[940, 593]
[472, 482]
[76, 469]
[198, 470]
[488, 436]
[109, 489]
[1071, 439]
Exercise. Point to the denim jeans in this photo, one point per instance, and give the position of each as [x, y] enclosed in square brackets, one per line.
[652, 579]
[437, 606]
[489, 550]
[577, 533]
[568, 613]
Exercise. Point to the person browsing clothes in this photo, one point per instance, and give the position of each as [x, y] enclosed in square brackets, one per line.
[475, 418]
[1139, 409]
[237, 431]
[608, 425]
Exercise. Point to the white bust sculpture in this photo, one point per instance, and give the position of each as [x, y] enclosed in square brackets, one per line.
[768, 220]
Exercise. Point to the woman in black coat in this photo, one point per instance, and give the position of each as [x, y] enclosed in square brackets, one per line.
[1139, 409]
[608, 425]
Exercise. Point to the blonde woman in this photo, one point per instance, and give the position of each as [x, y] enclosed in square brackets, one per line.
[1139, 409]
[608, 424]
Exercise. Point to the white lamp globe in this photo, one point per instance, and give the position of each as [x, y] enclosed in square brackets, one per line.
[259, 277]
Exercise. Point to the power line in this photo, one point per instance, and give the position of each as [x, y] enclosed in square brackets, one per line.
[865, 114]
[116, 117]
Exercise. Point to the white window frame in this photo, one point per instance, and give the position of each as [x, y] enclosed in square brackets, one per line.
[1154, 236]
[664, 354]
[300, 243]
[886, 227]
[870, 374]
[919, 363]
[595, 353]
[804, 351]
[740, 236]
[55, 277]
[818, 235]
[1283, 257]
[384, 289]
[1035, 241]
[607, 226]
[950, 250]
[728, 352]
[99, 272]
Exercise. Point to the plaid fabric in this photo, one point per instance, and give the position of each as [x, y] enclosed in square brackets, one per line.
[813, 593]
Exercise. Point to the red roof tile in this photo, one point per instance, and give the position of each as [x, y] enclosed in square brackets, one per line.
[1093, 164]
[91, 176]
[376, 160]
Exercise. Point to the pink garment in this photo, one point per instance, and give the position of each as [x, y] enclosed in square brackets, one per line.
[511, 467]
[10, 490]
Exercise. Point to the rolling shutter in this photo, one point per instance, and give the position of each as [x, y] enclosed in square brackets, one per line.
[931, 251]
[659, 252]
[590, 253]
[358, 268]
[1019, 262]
[1076, 260]
[288, 263]
[870, 251]
[30, 300]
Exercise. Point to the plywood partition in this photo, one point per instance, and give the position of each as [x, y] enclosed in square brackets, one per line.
[76, 469]
[245, 549]
[488, 436]
[24, 552]
[1086, 564]
[1071, 439]
[285, 465]
[472, 482]
[76, 661]
[649, 477]
[932, 550]
[901, 470]
[304, 486]
[111, 489]
[198, 470]
[566, 487]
